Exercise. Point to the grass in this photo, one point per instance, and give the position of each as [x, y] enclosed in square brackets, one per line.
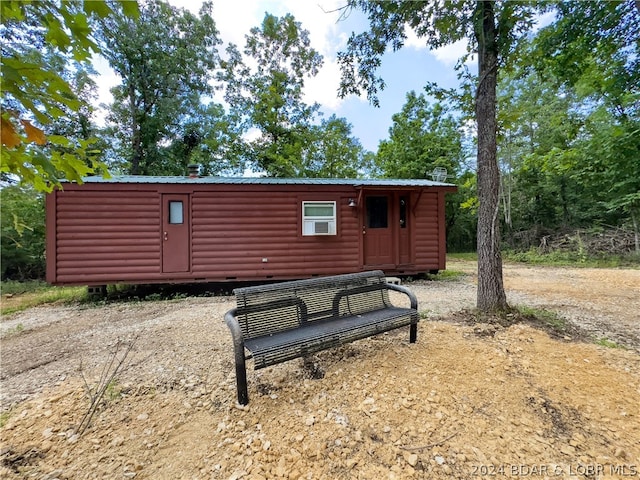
[10, 287]
[572, 259]
[468, 256]
[4, 418]
[445, 275]
[25, 295]
[558, 259]
[546, 318]
[605, 342]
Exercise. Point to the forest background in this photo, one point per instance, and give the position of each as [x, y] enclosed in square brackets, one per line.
[568, 106]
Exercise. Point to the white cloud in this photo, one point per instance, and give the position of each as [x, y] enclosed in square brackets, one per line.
[544, 20]
[413, 41]
[106, 79]
[450, 54]
[323, 88]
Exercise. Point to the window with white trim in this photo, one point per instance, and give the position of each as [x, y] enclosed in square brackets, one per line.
[318, 218]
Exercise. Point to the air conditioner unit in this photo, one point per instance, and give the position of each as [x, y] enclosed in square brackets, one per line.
[321, 228]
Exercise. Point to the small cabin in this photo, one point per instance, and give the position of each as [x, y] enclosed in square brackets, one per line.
[143, 229]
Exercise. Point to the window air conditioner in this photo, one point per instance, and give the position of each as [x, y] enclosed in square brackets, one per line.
[321, 228]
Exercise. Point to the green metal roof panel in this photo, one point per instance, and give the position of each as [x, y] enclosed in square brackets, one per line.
[386, 182]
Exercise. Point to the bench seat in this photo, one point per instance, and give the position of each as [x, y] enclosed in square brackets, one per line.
[282, 321]
[314, 337]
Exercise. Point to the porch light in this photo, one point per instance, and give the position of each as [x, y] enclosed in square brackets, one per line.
[352, 203]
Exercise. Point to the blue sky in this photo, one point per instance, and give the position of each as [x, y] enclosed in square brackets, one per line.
[408, 69]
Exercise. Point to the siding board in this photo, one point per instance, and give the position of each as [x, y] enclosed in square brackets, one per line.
[102, 235]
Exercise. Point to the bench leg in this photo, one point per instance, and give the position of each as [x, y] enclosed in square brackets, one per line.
[241, 376]
[413, 333]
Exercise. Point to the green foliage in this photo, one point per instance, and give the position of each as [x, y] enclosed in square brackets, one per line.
[546, 318]
[4, 418]
[38, 36]
[461, 215]
[422, 137]
[593, 47]
[165, 58]
[571, 126]
[538, 129]
[462, 256]
[33, 293]
[334, 153]
[22, 233]
[267, 94]
[438, 24]
[494, 30]
[570, 259]
[210, 138]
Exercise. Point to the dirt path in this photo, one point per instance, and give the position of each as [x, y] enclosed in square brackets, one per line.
[465, 401]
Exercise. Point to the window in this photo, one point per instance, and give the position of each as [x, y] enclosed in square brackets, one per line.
[318, 218]
[403, 212]
[377, 212]
[175, 213]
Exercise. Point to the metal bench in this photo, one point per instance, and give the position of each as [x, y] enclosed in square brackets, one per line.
[283, 321]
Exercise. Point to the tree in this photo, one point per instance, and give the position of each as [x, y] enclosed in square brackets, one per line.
[266, 91]
[538, 125]
[39, 40]
[422, 137]
[334, 153]
[165, 58]
[611, 173]
[594, 48]
[22, 233]
[492, 30]
[210, 138]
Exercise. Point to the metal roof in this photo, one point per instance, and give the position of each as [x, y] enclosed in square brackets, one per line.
[382, 182]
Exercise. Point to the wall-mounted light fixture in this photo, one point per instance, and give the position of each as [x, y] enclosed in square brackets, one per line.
[352, 203]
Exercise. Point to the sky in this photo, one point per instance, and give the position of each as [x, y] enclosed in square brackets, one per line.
[408, 69]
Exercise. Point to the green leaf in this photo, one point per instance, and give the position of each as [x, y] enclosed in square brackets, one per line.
[130, 8]
[99, 8]
[56, 34]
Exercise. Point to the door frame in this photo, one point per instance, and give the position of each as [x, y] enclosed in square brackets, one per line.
[175, 236]
[397, 236]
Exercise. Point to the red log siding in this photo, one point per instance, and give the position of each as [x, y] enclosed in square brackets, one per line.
[233, 232]
[426, 239]
[112, 233]
[106, 236]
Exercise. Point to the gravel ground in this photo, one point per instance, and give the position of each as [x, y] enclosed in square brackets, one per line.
[466, 400]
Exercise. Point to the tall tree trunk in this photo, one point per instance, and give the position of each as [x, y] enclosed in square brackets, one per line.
[491, 295]
[136, 140]
[636, 230]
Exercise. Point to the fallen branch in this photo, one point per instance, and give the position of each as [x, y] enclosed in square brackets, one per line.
[431, 445]
[109, 372]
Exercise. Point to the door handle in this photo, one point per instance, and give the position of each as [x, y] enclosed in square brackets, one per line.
[166, 236]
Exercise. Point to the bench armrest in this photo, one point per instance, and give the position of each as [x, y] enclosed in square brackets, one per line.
[406, 291]
[233, 324]
[238, 350]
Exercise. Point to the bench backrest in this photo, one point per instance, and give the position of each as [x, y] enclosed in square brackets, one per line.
[267, 309]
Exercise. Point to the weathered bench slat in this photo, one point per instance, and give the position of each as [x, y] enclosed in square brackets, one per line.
[280, 322]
